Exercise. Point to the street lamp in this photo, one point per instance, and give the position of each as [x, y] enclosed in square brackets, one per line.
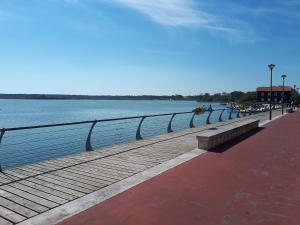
[282, 99]
[271, 66]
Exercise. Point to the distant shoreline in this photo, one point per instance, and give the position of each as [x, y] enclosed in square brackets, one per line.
[95, 97]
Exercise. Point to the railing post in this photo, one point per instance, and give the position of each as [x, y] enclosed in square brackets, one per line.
[230, 114]
[170, 123]
[220, 117]
[208, 117]
[1, 137]
[88, 145]
[2, 134]
[138, 135]
[192, 121]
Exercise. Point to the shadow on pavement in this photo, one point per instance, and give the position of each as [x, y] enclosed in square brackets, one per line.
[224, 147]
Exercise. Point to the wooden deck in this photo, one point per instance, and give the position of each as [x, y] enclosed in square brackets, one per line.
[30, 190]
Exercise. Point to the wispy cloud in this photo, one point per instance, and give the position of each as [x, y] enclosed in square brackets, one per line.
[176, 13]
[234, 21]
[191, 14]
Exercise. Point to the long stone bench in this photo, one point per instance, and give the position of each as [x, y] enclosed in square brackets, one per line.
[218, 136]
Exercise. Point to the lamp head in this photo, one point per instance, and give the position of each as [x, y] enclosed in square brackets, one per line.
[283, 76]
[271, 66]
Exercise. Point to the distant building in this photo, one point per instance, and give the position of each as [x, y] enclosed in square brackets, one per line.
[263, 94]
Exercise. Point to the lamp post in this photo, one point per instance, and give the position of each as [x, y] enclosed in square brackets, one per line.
[282, 99]
[295, 93]
[297, 97]
[271, 66]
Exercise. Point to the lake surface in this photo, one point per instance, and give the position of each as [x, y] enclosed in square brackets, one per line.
[15, 113]
[29, 146]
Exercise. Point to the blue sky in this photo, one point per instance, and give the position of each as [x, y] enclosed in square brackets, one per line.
[138, 47]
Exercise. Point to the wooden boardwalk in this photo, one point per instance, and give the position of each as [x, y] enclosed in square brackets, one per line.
[31, 190]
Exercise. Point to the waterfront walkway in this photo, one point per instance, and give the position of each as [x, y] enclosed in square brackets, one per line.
[255, 181]
[47, 192]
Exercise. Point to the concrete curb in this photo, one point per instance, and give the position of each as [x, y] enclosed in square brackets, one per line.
[261, 124]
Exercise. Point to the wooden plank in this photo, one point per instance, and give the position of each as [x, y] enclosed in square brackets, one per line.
[15, 175]
[109, 178]
[75, 184]
[26, 172]
[4, 179]
[132, 158]
[56, 185]
[59, 164]
[156, 154]
[29, 171]
[87, 156]
[111, 170]
[105, 177]
[91, 178]
[62, 181]
[116, 167]
[84, 170]
[21, 208]
[23, 201]
[31, 197]
[153, 157]
[60, 194]
[82, 177]
[116, 160]
[137, 160]
[3, 175]
[117, 172]
[5, 222]
[48, 166]
[131, 167]
[10, 215]
[37, 192]
[65, 162]
[39, 166]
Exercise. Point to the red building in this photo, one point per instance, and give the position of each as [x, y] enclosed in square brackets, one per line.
[263, 94]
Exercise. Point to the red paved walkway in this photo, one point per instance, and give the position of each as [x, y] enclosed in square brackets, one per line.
[256, 181]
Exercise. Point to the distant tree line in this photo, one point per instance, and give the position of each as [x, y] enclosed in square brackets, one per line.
[246, 98]
[235, 96]
[89, 97]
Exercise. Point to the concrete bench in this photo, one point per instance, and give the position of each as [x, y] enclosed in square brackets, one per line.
[217, 136]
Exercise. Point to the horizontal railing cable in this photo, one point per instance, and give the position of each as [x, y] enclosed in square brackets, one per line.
[28, 144]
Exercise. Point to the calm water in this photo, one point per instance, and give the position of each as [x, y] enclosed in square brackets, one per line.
[24, 147]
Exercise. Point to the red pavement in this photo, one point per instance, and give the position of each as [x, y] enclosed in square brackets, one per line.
[256, 181]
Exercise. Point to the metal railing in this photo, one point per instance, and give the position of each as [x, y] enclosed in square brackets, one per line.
[109, 128]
